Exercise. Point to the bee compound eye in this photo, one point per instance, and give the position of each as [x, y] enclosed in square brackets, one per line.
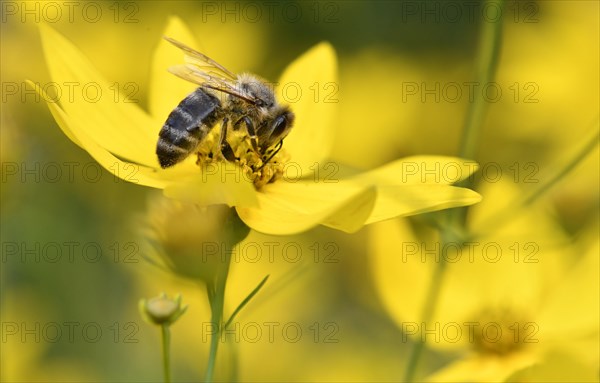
[279, 126]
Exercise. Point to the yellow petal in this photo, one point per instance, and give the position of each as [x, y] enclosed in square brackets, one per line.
[134, 173]
[558, 366]
[289, 208]
[586, 350]
[166, 89]
[96, 106]
[486, 368]
[405, 200]
[218, 183]
[400, 275]
[352, 217]
[418, 184]
[417, 170]
[572, 309]
[309, 85]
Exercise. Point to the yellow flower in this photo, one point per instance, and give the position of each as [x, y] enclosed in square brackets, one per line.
[509, 300]
[122, 138]
[190, 240]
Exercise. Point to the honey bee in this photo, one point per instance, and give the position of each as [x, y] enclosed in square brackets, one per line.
[246, 108]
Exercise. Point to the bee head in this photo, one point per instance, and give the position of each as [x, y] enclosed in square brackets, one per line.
[276, 129]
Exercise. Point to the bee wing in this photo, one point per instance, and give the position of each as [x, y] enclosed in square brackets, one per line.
[202, 70]
[212, 81]
[202, 61]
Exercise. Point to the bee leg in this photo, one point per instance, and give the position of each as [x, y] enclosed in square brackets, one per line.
[223, 137]
[228, 153]
[224, 145]
[251, 131]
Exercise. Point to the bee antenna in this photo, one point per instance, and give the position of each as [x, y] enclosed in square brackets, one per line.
[279, 146]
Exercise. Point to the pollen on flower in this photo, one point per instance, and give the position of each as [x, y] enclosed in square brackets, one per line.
[502, 331]
[261, 170]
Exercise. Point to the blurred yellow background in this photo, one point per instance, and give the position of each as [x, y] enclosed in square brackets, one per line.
[73, 266]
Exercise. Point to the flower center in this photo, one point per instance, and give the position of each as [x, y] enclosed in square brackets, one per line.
[500, 331]
[261, 169]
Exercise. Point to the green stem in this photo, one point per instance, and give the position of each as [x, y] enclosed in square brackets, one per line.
[488, 53]
[569, 166]
[166, 339]
[234, 231]
[453, 231]
[216, 297]
[433, 293]
[487, 62]
[426, 315]
[235, 357]
[497, 221]
[245, 302]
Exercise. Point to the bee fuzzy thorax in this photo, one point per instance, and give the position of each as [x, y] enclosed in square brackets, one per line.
[257, 88]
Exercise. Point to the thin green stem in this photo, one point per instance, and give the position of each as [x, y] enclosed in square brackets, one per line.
[234, 231]
[235, 357]
[427, 313]
[486, 64]
[216, 297]
[488, 54]
[453, 231]
[569, 166]
[166, 340]
[497, 221]
[433, 293]
[245, 302]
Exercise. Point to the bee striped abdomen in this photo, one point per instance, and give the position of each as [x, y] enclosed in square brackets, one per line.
[186, 126]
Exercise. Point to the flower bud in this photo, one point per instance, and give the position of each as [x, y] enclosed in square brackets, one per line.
[162, 309]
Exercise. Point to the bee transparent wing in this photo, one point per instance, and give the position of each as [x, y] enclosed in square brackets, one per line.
[201, 61]
[202, 70]
[207, 80]
[197, 76]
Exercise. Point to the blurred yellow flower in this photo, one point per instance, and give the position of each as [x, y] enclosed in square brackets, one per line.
[508, 300]
[190, 240]
[122, 138]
